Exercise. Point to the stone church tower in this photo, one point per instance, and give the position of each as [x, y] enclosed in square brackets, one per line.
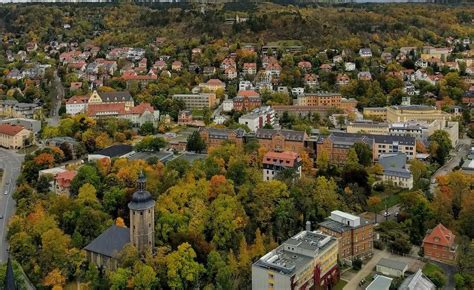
[142, 217]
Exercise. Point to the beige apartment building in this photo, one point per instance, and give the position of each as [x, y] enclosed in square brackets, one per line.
[14, 136]
[415, 113]
[197, 101]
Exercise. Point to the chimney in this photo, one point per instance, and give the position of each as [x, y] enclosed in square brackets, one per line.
[308, 226]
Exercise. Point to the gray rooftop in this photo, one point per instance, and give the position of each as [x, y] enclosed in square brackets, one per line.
[288, 134]
[394, 164]
[295, 253]
[380, 283]
[388, 263]
[110, 242]
[114, 96]
[417, 281]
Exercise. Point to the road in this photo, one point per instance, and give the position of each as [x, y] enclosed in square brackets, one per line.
[461, 152]
[53, 119]
[11, 164]
[366, 270]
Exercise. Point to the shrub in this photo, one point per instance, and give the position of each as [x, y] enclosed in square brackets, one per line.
[357, 264]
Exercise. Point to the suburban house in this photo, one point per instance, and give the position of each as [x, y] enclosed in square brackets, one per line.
[62, 182]
[274, 162]
[365, 52]
[77, 105]
[15, 136]
[355, 235]
[439, 244]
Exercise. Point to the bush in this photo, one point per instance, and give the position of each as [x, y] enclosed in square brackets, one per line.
[436, 274]
[459, 281]
[357, 264]
[379, 245]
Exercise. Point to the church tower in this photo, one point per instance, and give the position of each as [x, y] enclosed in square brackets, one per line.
[142, 217]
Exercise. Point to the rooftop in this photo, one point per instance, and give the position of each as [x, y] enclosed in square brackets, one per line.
[417, 281]
[392, 264]
[380, 283]
[10, 130]
[295, 253]
[110, 242]
[116, 150]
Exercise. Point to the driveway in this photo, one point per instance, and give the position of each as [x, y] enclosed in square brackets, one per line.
[367, 268]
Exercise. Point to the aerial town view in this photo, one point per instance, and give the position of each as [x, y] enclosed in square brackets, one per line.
[248, 145]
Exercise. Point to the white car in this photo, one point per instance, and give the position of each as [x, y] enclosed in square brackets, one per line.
[6, 192]
[386, 214]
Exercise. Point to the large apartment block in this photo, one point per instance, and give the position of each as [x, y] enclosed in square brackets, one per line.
[258, 118]
[354, 234]
[308, 260]
[197, 101]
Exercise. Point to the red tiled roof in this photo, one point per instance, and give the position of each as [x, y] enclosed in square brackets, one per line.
[140, 109]
[286, 158]
[214, 82]
[97, 109]
[248, 93]
[440, 235]
[250, 65]
[64, 178]
[77, 100]
[10, 130]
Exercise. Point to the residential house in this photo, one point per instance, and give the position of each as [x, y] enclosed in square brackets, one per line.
[227, 105]
[364, 76]
[230, 73]
[311, 80]
[275, 162]
[212, 85]
[249, 68]
[176, 65]
[342, 79]
[14, 136]
[62, 182]
[365, 52]
[76, 105]
[305, 65]
[349, 66]
[439, 245]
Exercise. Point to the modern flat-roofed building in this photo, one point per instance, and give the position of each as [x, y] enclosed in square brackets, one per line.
[391, 267]
[258, 118]
[354, 234]
[384, 144]
[307, 260]
[197, 101]
[274, 162]
[368, 127]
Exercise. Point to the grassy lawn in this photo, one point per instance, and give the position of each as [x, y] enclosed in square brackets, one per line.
[340, 285]
[391, 200]
[431, 268]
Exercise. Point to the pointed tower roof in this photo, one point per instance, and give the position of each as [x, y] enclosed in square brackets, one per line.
[141, 199]
[10, 276]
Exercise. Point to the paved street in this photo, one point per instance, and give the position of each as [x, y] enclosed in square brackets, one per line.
[11, 164]
[53, 120]
[461, 152]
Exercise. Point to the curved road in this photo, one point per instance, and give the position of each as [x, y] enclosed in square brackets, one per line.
[10, 162]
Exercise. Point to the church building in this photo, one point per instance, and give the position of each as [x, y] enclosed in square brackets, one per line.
[104, 250]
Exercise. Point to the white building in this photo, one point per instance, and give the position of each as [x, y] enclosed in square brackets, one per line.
[76, 105]
[258, 118]
[391, 268]
[350, 66]
[297, 91]
[274, 162]
[227, 105]
[245, 86]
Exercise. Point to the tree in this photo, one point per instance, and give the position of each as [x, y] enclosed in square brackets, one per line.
[87, 196]
[150, 143]
[147, 129]
[183, 271]
[195, 143]
[364, 153]
[119, 279]
[85, 174]
[440, 146]
[144, 276]
[54, 278]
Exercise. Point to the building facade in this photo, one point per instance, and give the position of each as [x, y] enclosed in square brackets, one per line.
[354, 235]
[439, 244]
[258, 118]
[14, 136]
[197, 101]
[275, 162]
[214, 137]
[281, 140]
[308, 260]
